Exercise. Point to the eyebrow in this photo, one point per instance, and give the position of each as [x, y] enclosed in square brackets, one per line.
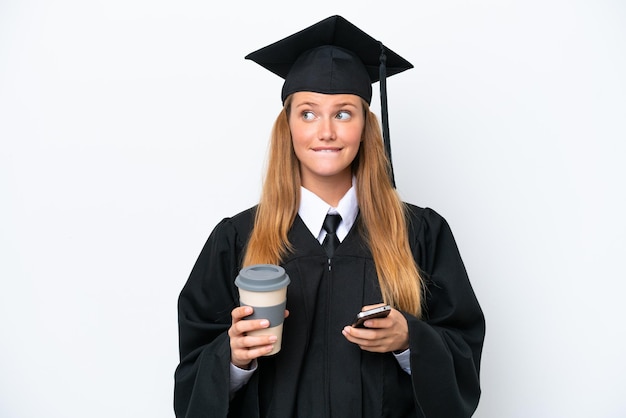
[344, 104]
[310, 104]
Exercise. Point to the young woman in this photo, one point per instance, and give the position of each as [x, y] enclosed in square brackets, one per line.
[327, 156]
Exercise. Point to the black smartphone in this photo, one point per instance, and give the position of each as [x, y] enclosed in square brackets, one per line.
[378, 312]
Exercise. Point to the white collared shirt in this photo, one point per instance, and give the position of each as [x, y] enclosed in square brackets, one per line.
[313, 210]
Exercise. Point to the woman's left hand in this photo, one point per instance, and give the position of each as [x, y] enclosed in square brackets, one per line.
[380, 335]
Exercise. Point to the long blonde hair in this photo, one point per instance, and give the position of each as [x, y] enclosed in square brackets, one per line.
[382, 212]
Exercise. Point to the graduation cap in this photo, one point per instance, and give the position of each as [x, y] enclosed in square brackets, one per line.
[334, 57]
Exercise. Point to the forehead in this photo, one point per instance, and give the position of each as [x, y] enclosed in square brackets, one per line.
[321, 99]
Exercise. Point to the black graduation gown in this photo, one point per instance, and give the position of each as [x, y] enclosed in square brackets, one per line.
[318, 373]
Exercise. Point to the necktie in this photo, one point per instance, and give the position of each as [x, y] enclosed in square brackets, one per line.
[331, 242]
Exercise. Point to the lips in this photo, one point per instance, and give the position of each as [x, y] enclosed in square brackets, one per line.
[326, 149]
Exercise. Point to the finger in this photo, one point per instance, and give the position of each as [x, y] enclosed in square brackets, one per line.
[241, 312]
[249, 342]
[241, 327]
[246, 348]
[251, 325]
[359, 335]
[379, 323]
[243, 356]
[366, 339]
[394, 319]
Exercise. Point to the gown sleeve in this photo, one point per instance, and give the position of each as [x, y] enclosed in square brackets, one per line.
[201, 386]
[446, 344]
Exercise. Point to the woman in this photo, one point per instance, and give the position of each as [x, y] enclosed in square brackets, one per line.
[327, 157]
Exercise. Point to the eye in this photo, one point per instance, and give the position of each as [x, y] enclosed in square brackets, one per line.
[343, 115]
[308, 115]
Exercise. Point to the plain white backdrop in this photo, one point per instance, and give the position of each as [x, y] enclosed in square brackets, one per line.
[128, 129]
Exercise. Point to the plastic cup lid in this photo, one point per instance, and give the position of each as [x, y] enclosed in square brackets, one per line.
[262, 278]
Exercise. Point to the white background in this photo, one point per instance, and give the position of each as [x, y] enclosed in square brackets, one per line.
[128, 129]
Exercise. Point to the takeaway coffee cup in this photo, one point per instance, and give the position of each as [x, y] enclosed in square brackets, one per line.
[264, 288]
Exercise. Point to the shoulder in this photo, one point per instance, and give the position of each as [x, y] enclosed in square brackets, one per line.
[235, 228]
[243, 220]
[420, 218]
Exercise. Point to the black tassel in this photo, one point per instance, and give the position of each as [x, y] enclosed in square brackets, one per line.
[383, 110]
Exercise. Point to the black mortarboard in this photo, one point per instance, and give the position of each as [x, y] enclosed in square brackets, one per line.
[333, 57]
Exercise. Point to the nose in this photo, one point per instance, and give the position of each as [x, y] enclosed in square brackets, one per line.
[326, 130]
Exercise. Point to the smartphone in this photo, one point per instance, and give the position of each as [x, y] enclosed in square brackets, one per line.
[378, 312]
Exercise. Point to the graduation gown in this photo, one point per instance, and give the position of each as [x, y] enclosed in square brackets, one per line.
[318, 373]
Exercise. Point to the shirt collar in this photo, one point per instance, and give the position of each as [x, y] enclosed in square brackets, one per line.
[313, 210]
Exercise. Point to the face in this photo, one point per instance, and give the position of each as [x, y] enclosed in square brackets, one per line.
[326, 132]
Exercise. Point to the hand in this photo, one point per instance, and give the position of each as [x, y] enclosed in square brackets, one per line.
[245, 348]
[381, 334]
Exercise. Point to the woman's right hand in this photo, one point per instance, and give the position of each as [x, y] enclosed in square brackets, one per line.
[245, 348]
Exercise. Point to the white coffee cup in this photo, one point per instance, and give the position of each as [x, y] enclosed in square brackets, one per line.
[264, 288]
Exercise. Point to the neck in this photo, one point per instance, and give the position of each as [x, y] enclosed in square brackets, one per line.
[329, 190]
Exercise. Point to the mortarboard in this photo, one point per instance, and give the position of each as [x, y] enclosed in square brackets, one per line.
[333, 57]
